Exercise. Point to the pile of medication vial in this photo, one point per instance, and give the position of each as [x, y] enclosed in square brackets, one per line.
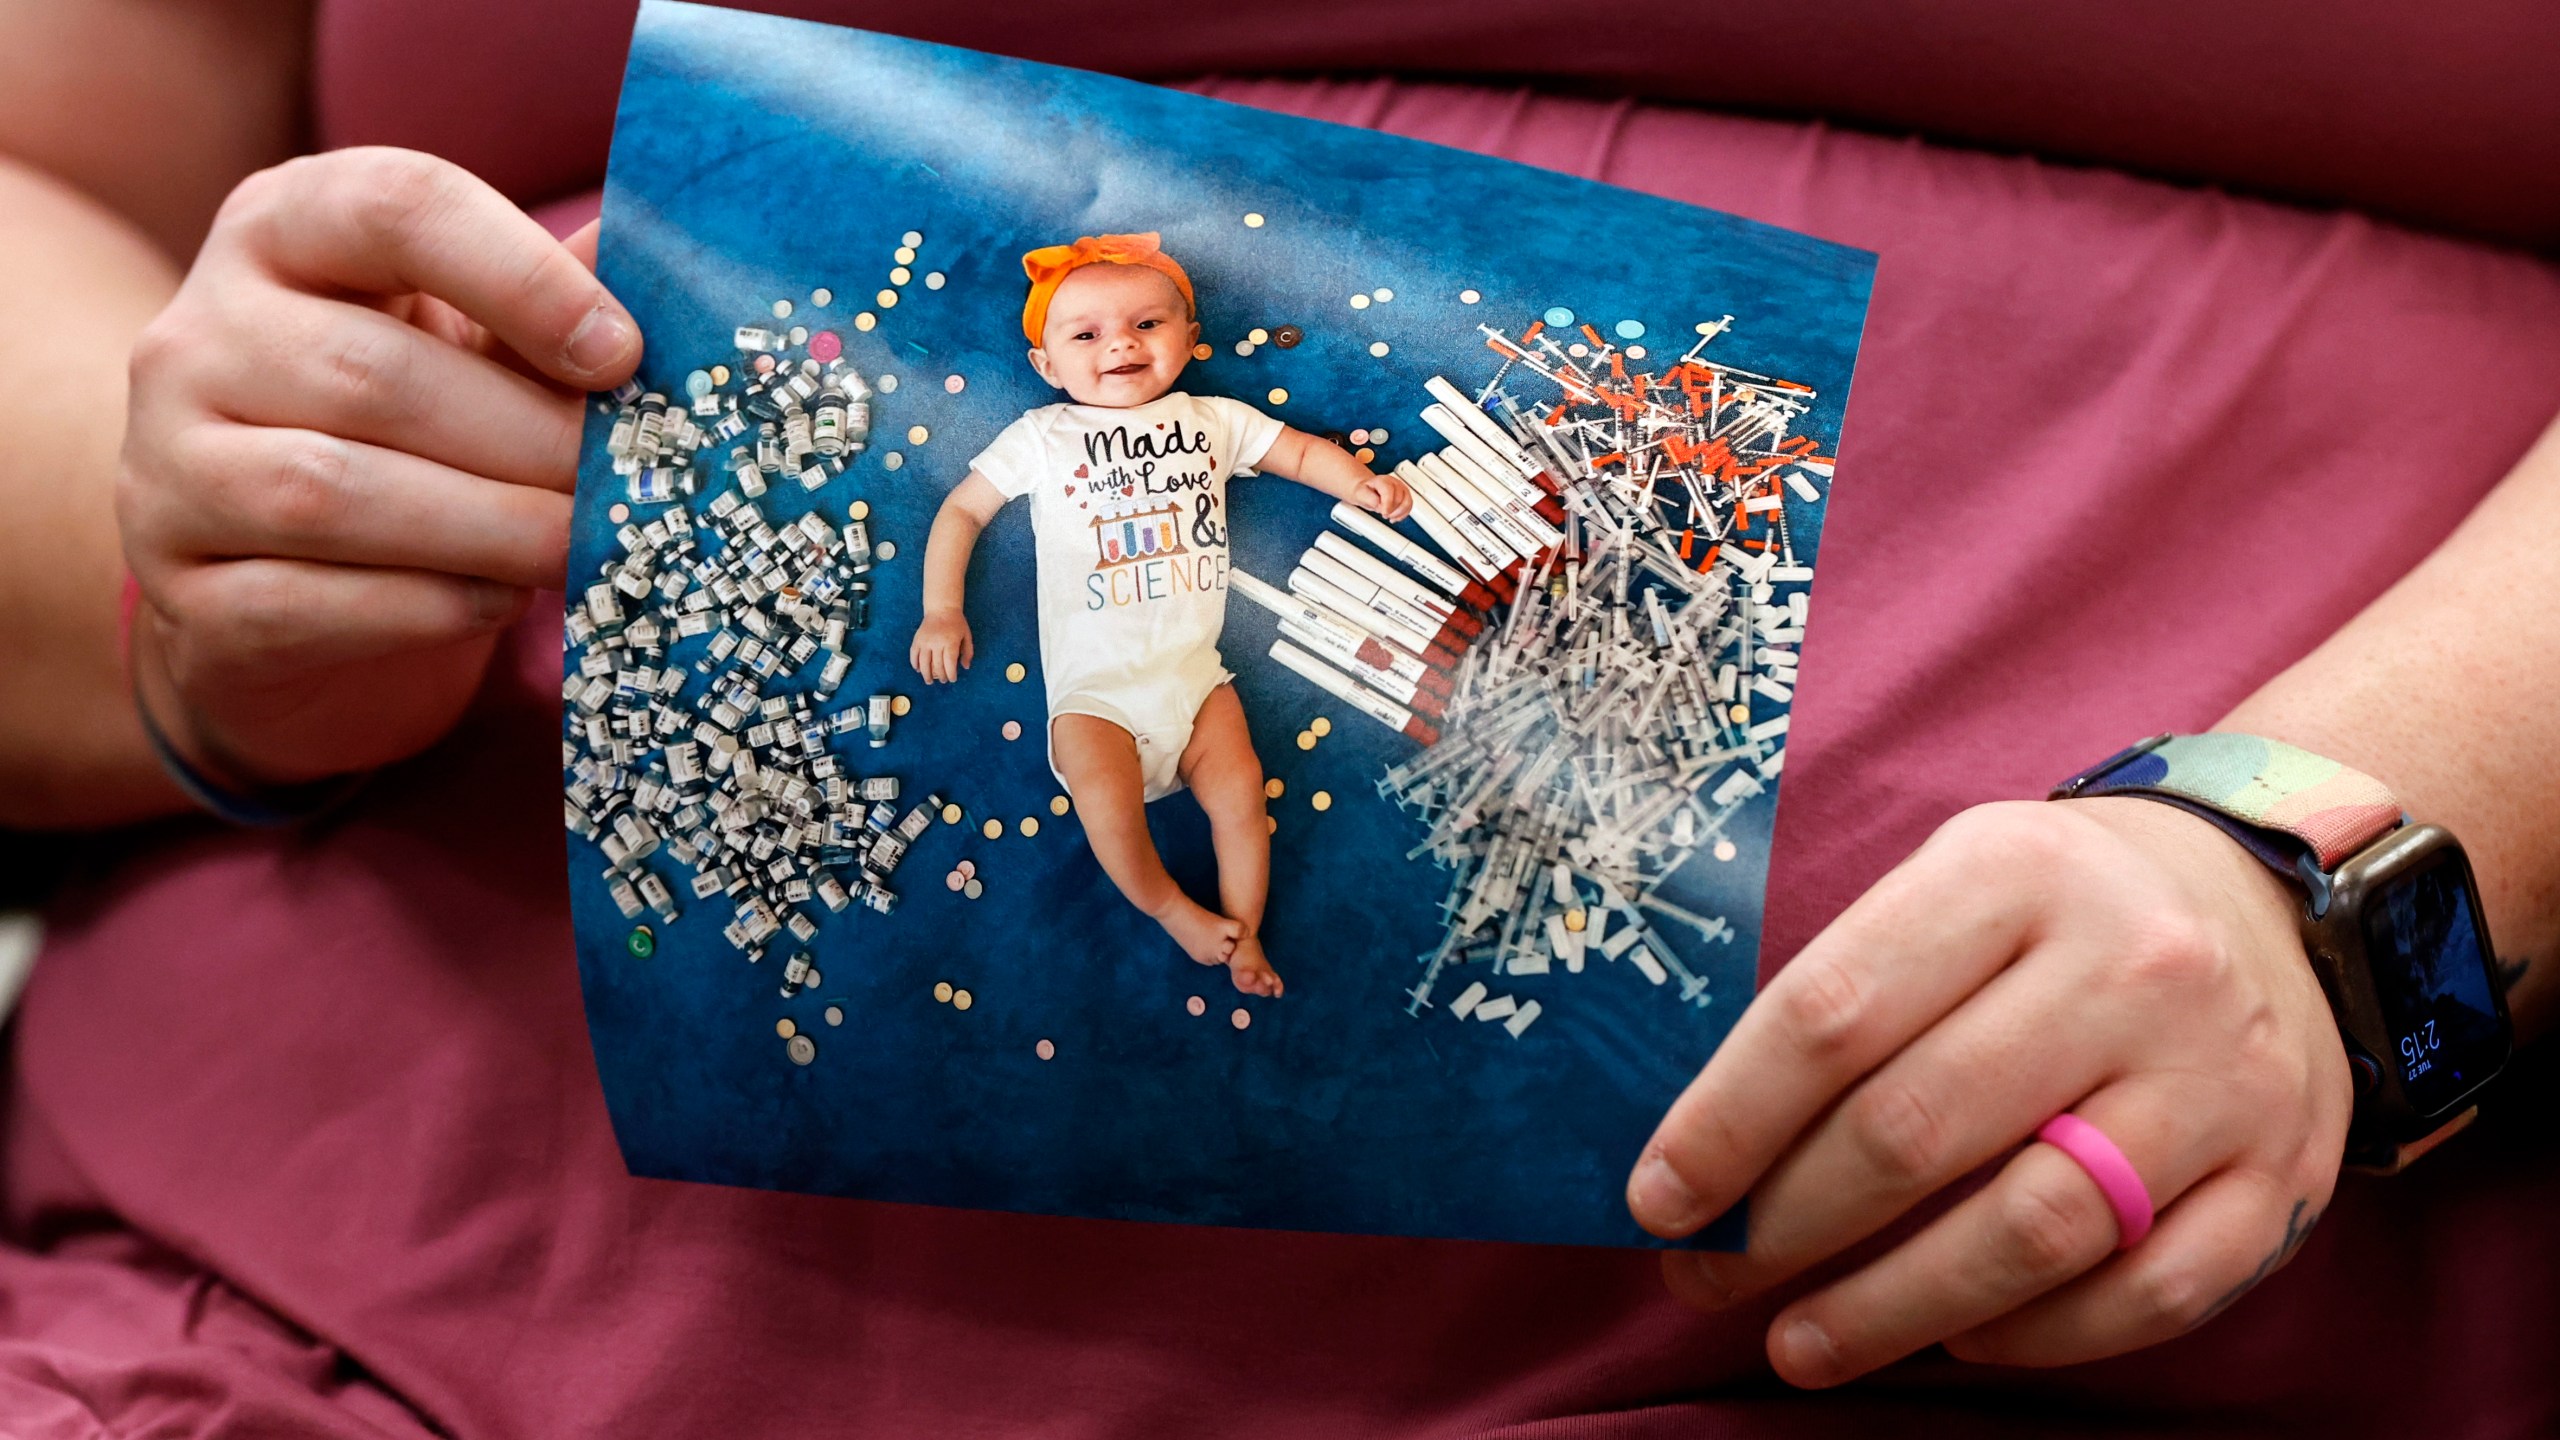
[1598, 660]
[728, 766]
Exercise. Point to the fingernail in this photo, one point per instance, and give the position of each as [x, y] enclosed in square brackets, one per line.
[600, 340]
[1660, 1200]
[1810, 1357]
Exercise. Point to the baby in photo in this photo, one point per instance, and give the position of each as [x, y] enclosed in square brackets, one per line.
[1128, 479]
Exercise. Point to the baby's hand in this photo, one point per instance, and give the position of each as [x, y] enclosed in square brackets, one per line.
[943, 646]
[1385, 494]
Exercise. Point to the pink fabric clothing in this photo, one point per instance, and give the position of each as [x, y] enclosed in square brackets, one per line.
[2446, 114]
[2118, 453]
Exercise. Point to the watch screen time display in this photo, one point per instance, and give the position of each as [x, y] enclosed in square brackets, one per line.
[2432, 974]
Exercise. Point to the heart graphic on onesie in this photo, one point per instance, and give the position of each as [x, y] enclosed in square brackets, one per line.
[1069, 492]
[1080, 471]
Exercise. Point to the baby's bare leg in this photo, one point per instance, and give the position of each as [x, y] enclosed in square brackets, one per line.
[1099, 761]
[1226, 777]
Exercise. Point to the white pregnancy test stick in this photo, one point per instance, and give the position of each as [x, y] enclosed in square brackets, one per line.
[1469, 414]
[1425, 625]
[1353, 658]
[1325, 593]
[1462, 492]
[1506, 493]
[1344, 643]
[1342, 687]
[1398, 583]
[1501, 477]
[1413, 557]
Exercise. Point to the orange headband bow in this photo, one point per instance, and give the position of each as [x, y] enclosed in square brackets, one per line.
[1052, 263]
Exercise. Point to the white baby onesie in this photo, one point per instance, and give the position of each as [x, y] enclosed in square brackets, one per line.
[1129, 524]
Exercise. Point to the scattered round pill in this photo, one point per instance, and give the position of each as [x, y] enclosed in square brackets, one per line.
[1045, 1050]
[799, 335]
[1383, 294]
[825, 345]
[1202, 351]
[886, 384]
[1577, 920]
[1322, 800]
[1577, 349]
[1321, 725]
[1244, 347]
[1014, 672]
[1377, 347]
[642, 943]
[973, 887]
[1377, 436]
[886, 549]
[1253, 219]
[865, 320]
[1630, 329]
[1635, 352]
[1241, 1018]
[912, 238]
[1360, 437]
[719, 374]
[1469, 297]
[933, 280]
[1306, 739]
[993, 829]
[822, 297]
[950, 814]
[968, 869]
[942, 991]
[764, 364]
[781, 309]
[886, 299]
[618, 514]
[1364, 454]
[1060, 804]
[859, 509]
[1359, 302]
[917, 434]
[901, 274]
[1030, 826]
[961, 1000]
[900, 704]
[801, 1049]
[698, 384]
[1278, 396]
[904, 255]
[892, 460]
[954, 384]
[834, 1013]
[784, 1028]
[1724, 850]
[1274, 788]
[954, 880]
[814, 979]
[1258, 335]
[1013, 729]
[1287, 337]
[1196, 1005]
[1558, 316]
[1741, 714]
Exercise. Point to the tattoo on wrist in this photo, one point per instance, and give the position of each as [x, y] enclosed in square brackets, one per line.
[2297, 1228]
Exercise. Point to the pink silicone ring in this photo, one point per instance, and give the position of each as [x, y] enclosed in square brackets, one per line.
[2106, 1164]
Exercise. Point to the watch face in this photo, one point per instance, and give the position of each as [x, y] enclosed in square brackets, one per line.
[2431, 973]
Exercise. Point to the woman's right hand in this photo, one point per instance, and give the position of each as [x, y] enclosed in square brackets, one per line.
[348, 459]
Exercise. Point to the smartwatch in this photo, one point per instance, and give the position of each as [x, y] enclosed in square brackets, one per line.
[2391, 919]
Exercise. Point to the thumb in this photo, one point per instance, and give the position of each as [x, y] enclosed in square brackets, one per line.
[582, 242]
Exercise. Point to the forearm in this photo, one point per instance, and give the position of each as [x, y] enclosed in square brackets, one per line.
[2447, 689]
[1316, 463]
[77, 283]
[947, 548]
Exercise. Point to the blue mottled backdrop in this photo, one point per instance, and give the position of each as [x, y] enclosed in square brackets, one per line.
[758, 159]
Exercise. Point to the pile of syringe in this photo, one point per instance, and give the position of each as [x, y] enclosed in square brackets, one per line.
[724, 765]
[1601, 665]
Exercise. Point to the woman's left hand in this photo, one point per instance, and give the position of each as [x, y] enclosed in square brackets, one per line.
[2115, 958]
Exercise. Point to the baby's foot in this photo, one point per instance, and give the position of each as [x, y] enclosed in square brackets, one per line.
[1204, 934]
[1252, 969]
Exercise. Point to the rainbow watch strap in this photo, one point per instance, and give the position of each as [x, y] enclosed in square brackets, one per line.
[2265, 784]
